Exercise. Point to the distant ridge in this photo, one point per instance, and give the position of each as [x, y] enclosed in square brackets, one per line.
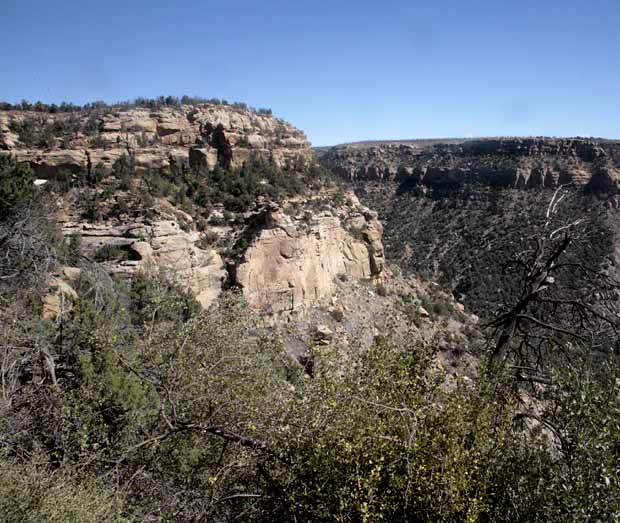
[426, 142]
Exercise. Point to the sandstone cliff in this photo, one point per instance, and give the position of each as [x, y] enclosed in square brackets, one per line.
[285, 257]
[80, 141]
[500, 163]
[293, 261]
[154, 245]
[285, 254]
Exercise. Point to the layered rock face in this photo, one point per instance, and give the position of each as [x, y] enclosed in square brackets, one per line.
[457, 212]
[286, 258]
[80, 141]
[371, 161]
[292, 263]
[526, 163]
[284, 261]
[155, 245]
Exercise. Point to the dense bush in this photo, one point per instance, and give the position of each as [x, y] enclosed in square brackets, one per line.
[28, 238]
[16, 185]
[110, 253]
[465, 240]
[237, 189]
[38, 132]
[33, 493]
[202, 418]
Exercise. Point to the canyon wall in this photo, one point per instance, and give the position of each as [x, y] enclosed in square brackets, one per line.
[82, 140]
[456, 213]
[522, 163]
[292, 262]
[285, 255]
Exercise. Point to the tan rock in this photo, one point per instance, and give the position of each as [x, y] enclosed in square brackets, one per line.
[160, 245]
[139, 121]
[58, 298]
[71, 274]
[48, 163]
[323, 334]
[176, 129]
[255, 141]
[338, 312]
[289, 267]
[143, 250]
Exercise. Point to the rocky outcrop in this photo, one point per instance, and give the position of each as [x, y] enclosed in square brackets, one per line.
[155, 245]
[372, 162]
[79, 141]
[284, 258]
[59, 297]
[293, 261]
[520, 163]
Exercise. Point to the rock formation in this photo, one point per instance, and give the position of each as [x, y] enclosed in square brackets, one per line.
[456, 213]
[284, 261]
[79, 141]
[522, 163]
[160, 245]
[292, 263]
[294, 254]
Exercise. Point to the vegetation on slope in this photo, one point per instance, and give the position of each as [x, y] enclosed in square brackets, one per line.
[465, 239]
[134, 404]
[102, 107]
[124, 192]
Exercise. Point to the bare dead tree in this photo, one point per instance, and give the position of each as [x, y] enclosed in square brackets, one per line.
[550, 317]
[27, 254]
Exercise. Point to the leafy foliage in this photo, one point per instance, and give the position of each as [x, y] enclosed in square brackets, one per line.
[27, 237]
[236, 189]
[38, 132]
[200, 415]
[16, 185]
[31, 493]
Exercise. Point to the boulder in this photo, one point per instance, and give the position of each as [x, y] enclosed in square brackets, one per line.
[58, 299]
[323, 335]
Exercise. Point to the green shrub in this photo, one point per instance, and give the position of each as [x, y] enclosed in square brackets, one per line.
[208, 239]
[16, 185]
[110, 253]
[32, 493]
[71, 249]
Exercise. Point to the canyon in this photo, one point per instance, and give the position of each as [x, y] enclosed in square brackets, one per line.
[456, 212]
[284, 261]
[448, 207]
[199, 290]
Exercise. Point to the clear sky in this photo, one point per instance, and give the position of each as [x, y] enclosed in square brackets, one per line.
[341, 70]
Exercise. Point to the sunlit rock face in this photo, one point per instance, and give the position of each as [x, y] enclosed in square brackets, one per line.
[520, 163]
[155, 138]
[292, 264]
[155, 245]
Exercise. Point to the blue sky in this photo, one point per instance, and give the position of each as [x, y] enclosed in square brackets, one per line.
[340, 70]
